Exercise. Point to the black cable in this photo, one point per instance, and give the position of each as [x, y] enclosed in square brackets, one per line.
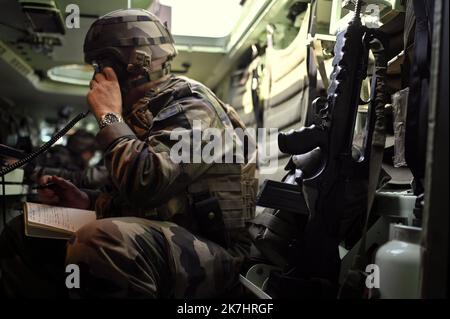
[44, 147]
[33, 155]
[358, 7]
[4, 201]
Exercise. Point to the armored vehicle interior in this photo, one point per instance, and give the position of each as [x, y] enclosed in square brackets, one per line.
[270, 60]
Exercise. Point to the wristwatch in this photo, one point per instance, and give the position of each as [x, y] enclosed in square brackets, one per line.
[108, 119]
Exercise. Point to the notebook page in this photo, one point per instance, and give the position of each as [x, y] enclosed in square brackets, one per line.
[69, 219]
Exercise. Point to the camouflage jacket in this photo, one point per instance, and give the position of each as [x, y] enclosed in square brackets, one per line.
[145, 182]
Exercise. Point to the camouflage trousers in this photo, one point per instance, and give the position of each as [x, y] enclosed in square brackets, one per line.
[130, 258]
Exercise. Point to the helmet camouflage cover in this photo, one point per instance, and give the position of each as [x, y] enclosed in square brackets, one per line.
[132, 38]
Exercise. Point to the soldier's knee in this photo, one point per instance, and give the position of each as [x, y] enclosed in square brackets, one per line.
[91, 231]
[90, 239]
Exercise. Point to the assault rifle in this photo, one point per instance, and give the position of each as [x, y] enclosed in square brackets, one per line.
[334, 175]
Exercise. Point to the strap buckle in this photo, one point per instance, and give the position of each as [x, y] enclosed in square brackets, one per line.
[142, 59]
[140, 62]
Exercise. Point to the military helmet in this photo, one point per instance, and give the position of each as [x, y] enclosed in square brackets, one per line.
[133, 38]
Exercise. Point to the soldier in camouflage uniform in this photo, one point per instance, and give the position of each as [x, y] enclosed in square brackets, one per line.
[164, 229]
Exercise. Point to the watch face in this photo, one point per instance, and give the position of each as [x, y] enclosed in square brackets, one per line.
[111, 118]
[108, 119]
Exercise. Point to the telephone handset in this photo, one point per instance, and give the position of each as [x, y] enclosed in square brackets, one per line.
[44, 148]
[97, 68]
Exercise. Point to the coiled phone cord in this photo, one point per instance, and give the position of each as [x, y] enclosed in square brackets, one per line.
[35, 154]
[44, 147]
[4, 200]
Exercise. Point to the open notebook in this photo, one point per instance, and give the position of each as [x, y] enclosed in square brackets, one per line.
[54, 222]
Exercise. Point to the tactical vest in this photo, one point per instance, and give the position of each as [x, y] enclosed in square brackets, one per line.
[222, 199]
[233, 185]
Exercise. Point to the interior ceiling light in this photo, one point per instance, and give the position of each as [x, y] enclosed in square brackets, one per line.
[79, 74]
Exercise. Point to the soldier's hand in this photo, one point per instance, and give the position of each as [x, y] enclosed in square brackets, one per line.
[62, 193]
[104, 96]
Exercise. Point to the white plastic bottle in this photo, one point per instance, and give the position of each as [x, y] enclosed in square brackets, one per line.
[399, 263]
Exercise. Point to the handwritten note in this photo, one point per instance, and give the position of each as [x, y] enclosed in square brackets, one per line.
[69, 219]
